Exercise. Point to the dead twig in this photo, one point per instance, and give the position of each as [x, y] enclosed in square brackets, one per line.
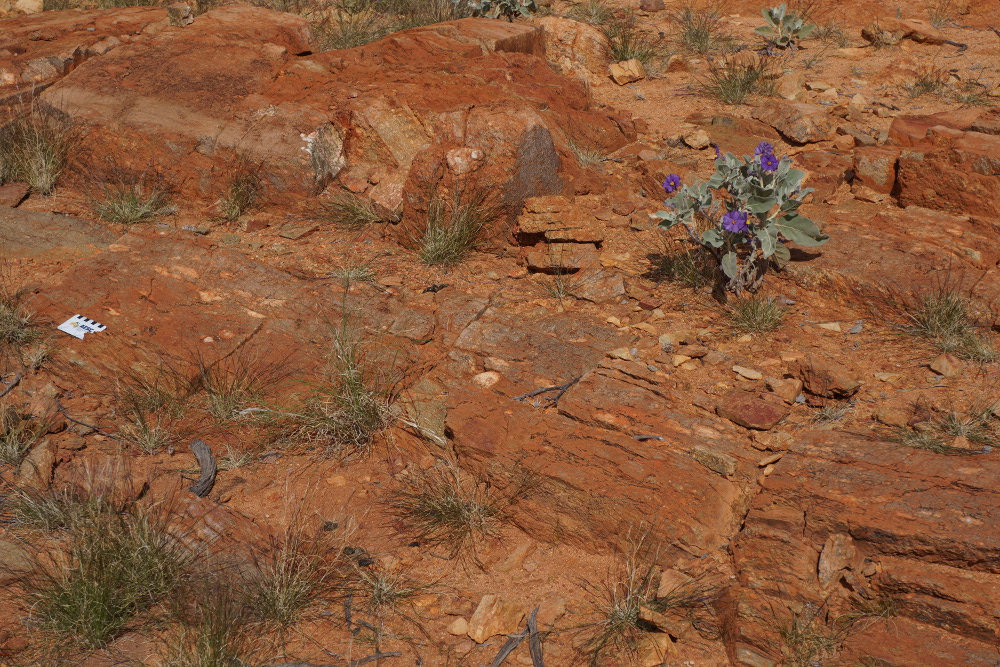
[84, 424]
[209, 468]
[373, 658]
[8, 386]
[535, 640]
[561, 388]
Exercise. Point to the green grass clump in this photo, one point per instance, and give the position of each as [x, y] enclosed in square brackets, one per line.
[352, 407]
[213, 628]
[756, 314]
[118, 567]
[350, 211]
[292, 574]
[627, 40]
[618, 627]
[698, 31]
[17, 435]
[594, 12]
[977, 427]
[944, 318]
[458, 225]
[735, 82]
[692, 268]
[131, 201]
[17, 326]
[807, 641]
[244, 188]
[240, 381]
[443, 508]
[34, 149]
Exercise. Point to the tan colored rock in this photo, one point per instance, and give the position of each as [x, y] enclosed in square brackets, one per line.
[671, 581]
[550, 609]
[487, 379]
[29, 6]
[494, 617]
[786, 388]
[35, 471]
[824, 378]
[653, 648]
[798, 122]
[838, 554]
[458, 627]
[748, 373]
[947, 365]
[790, 86]
[697, 139]
[627, 71]
[579, 49]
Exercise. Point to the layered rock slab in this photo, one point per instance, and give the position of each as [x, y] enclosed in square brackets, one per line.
[846, 518]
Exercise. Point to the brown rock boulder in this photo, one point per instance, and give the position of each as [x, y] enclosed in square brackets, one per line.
[750, 411]
[442, 105]
[845, 518]
[798, 122]
[875, 168]
[824, 378]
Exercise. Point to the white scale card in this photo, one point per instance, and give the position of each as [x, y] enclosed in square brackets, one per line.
[78, 325]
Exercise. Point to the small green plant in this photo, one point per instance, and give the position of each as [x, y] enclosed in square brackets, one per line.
[151, 399]
[783, 30]
[690, 267]
[627, 40]
[806, 640]
[118, 567]
[129, 196]
[699, 30]
[831, 33]
[59, 509]
[832, 412]
[594, 12]
[350, 211]
[384, 591]
[17, 326]
[293, 573]
[352, 407]
[361, 272]
[943, 317]
[587, 154]
[735, 81]
[18, 435]
[976, 430]
[443, 507]
[620, 600]
[756, 314]
[941, 12]
[926, 82]
[749, 225]
[34, 149]
[213, 628]
[244, 188]
[878, 607]
[503, 9]
[238, 381]
[456, 226]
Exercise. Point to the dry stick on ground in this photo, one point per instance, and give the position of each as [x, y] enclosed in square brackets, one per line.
[530, 633]
[85, 424]
[563, 388]
[9, 386]
[203, 453]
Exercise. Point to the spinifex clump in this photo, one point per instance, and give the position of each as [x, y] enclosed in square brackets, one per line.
[744, 214]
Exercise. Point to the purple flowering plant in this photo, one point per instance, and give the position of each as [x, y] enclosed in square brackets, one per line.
[744, 214]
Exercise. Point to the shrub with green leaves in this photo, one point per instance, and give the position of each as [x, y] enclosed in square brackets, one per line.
[507, 9]
[783, 29]
[744, 215]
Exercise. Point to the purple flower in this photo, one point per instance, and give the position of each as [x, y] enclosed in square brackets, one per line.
[735, 222]
[768, 162]
[763, 148]
[672, 183]
[718, 153]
